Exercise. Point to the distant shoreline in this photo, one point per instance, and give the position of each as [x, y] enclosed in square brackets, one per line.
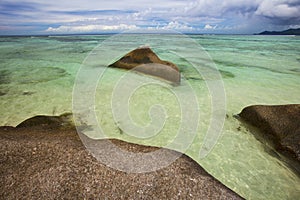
[285, 32]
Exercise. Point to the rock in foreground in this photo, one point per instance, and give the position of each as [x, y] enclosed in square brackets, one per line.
[49, 162]
[144, 60]
[280, 124]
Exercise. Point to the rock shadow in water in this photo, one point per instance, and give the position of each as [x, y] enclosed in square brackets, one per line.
[30, 75]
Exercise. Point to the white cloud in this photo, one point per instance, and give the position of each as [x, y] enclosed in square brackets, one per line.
[90, 28]
[175, 25]
[209, 27]
[294, 26]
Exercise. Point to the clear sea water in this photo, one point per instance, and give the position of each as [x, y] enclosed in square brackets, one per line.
[37, 76]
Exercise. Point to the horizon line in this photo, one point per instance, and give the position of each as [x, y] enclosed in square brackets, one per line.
[115, 33]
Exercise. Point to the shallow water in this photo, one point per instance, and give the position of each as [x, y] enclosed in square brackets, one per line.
[37, 75]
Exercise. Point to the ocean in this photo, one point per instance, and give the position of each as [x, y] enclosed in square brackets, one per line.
[221, 74]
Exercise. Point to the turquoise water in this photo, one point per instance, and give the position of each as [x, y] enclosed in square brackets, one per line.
[37, 75]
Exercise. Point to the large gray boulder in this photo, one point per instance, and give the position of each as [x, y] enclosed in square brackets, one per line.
[279, 123]
[144, 60]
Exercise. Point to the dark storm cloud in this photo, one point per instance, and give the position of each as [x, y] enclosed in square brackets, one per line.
[280, 11]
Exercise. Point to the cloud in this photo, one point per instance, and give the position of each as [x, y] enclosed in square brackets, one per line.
[216, 8]
[294, 26]
[279, 14]
[230, 16]
[209, 27]
[279, 9]
[90, 28]
[175, 25]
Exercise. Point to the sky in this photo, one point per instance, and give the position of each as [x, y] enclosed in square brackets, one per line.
[36, 17]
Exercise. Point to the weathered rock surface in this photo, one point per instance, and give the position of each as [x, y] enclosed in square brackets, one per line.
[280, 124]
[50, 162]
[144, 60]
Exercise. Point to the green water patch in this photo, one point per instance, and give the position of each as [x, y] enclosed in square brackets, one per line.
[38, 75]
[31, 75]
[2, 92]
[28, 93]
[295, 70]
[224, 74]
[73, 39]
[4, 80]
[4, 76]
[240, 65]
[190, 73]
[183, 64]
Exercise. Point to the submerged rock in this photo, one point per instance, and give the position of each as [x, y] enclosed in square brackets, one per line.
[43, 120]
[2, 93]
[280, 124]
[144, 60]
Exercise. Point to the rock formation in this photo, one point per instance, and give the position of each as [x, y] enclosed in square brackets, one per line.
[43, 159]
[144, 60]
[280, 124]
